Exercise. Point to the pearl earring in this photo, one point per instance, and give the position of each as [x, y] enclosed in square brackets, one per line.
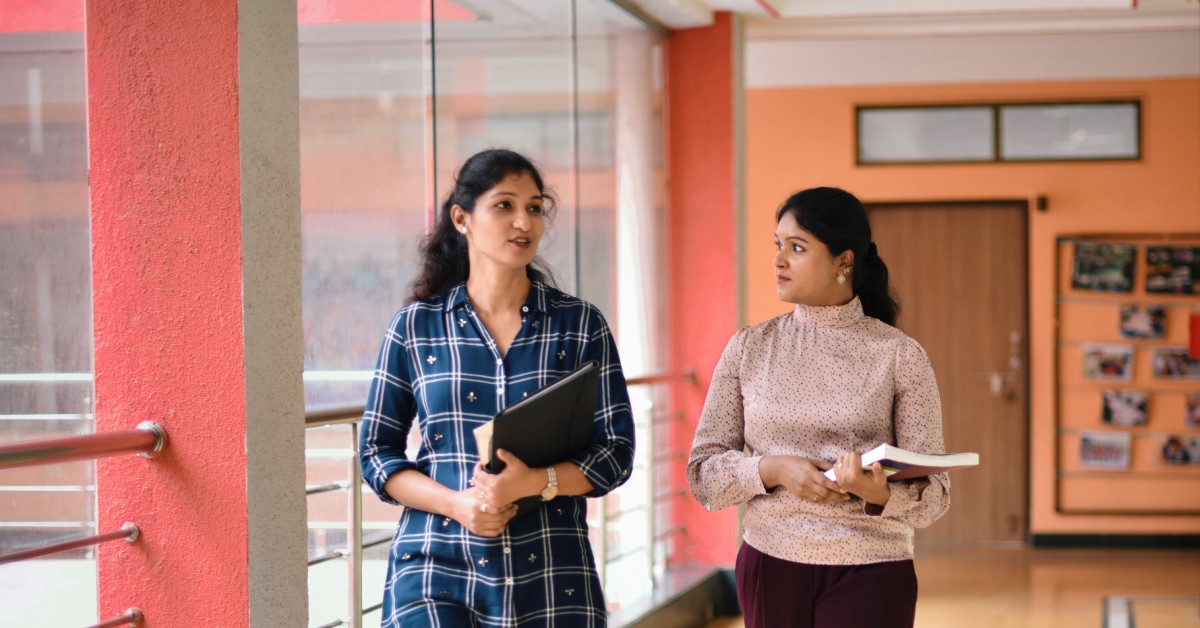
[462, 229]
[841, 279]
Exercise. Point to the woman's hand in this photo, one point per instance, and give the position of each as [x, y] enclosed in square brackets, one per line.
[869, 484]
[478, 516]
[800, 477]
[516, 480]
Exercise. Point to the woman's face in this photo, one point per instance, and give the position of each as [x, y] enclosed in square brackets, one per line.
[805, 272]
[507, 223]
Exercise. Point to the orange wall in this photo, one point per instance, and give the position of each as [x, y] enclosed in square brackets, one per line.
[802, 137]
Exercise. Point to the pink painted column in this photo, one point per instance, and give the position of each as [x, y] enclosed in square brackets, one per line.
[703, 138]
[192, 114]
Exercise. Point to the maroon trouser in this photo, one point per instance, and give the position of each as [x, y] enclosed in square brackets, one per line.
[777, 593]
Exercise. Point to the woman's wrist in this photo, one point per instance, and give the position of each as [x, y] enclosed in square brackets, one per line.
[767, 472]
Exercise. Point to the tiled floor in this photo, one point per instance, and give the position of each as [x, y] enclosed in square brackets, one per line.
[1052, 588]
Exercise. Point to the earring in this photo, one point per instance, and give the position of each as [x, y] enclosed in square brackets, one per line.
[841, 278]
[462, 229]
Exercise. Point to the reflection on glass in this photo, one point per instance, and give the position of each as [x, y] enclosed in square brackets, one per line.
[504, 81]
[1070, 131]
[362, 143]
[925, 134]
[45, 311]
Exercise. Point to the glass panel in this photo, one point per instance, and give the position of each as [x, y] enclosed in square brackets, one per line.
[363, 193]
[621, 230]
[45, 310]
[1070, 131]
[503, 80]
[925, 134]
[363, 174]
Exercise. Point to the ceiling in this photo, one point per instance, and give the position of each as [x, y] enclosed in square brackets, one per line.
[844, 19]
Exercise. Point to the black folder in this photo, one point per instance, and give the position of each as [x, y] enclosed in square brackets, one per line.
[548, 426]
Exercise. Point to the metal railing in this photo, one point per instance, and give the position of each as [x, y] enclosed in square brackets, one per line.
[147, 440]
[351, 415]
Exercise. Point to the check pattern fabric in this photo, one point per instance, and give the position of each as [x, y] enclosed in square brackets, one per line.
[439, 367]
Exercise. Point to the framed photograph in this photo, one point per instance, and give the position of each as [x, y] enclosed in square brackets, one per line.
[1171, 269]
[1181, 449]
[1126, 408]
[1105, 450]
[1103, 267]
[1191, 409]
[1147, 321]
[1174, 363]
[1108, 362]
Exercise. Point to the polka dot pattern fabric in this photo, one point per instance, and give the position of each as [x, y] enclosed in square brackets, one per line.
[815, 383]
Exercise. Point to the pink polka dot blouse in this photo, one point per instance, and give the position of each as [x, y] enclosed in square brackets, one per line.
[815, 383]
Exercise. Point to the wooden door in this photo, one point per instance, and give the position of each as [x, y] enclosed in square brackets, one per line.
[960, 272]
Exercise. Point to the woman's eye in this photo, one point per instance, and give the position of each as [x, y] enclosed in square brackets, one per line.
[537, 210]
[778, 246]
[796, 248]
[504, 205]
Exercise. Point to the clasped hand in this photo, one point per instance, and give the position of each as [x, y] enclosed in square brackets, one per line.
[493, 495]
[806, 479]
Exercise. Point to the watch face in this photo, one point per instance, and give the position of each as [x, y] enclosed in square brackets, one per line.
[549, 493]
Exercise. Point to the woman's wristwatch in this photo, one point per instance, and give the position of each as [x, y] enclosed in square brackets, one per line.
[551, 490]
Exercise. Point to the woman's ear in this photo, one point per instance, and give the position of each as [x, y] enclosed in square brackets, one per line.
[846, 260]
[459, 218]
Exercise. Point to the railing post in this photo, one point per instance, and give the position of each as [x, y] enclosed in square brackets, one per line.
[354, 532]
[651, 492]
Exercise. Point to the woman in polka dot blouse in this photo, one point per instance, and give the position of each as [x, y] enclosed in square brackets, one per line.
[804, 392]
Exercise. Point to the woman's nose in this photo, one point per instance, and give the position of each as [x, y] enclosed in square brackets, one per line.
[521, 221]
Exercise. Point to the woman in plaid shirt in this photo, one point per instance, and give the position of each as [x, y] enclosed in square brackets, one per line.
[483, 331]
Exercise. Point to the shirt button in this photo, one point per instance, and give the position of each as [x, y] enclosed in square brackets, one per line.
[507, 549]
[508, 581]
[524, 308]
[499, 361]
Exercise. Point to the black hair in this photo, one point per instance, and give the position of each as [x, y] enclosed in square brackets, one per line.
[838, 219]
[444, 261]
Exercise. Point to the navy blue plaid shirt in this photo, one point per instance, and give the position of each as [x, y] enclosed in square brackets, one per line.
[439, 366]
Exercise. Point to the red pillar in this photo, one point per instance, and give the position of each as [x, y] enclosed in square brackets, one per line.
[703, 96]
[177, 112]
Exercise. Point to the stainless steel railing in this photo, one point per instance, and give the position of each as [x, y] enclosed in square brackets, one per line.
[351, 415]
[147, 440]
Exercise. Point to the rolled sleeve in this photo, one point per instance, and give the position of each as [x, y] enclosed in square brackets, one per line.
[387, 415]
[608, 463]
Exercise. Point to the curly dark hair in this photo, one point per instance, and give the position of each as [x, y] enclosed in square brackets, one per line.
[444, 262]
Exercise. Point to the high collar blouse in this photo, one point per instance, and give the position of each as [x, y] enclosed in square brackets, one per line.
[816, 383]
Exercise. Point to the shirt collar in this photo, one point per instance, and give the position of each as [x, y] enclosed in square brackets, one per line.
[535, 302]
[830, 315]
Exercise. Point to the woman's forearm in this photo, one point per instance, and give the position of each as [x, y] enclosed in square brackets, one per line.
[414, 489]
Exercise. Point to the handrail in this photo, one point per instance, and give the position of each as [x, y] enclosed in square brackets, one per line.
[131, 617]
[333, 415]
[686, 375]
[147, 440]
[129, 532]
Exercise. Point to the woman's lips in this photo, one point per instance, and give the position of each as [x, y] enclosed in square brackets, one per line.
[780, 279]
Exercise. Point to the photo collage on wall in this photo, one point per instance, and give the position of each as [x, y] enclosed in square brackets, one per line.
[1128, 400]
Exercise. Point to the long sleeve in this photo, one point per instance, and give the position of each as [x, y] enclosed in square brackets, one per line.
[609, 461]
[719, 473]
[388, 414]
[917, 416]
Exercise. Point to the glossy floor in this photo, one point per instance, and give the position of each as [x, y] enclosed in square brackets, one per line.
[1047, 588]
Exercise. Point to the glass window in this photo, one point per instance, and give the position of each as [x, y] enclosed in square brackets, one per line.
[925, 134]
[45, 312]
[1070, 131]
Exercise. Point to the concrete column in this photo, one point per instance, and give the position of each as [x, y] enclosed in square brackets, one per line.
[194, 182]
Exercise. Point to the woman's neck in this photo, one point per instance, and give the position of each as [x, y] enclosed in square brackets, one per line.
[495, 290]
